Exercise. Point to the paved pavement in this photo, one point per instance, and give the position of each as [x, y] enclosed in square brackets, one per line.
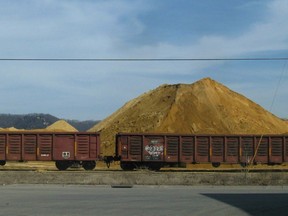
[142, 200]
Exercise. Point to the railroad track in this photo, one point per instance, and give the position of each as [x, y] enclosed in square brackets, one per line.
[101, 167]
[80, 170]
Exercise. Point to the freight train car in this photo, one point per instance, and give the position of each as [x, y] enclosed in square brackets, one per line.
[66, 149]
[157, 150]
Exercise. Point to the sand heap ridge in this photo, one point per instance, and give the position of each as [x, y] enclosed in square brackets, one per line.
[205, 106]
[61, 126]
[58, 126]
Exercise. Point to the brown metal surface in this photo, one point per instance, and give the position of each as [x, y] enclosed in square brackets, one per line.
[39, 146]
[174, 148]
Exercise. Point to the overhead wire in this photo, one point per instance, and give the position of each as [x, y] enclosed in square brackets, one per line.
[145, 59]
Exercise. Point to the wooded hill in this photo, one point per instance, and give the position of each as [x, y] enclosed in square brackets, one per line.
[39, 121]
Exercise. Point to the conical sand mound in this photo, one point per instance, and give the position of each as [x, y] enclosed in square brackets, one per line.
[209, 107]
[205, 106]
[61, 126]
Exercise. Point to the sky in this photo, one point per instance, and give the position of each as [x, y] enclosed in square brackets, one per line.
[126, 29]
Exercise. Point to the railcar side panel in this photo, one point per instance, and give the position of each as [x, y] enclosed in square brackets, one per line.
[135, 148]
[216, 149]
[232, 149]
[187, 145]
[285, 150]
[129, 147]
[29, 147]
[3, 141]
[171, 147]
[262, 145]
[276, 149]
[87, 146]
[94, 147]
[122, 147]
[82, 147]
[44, 147]
[49, 146]
[246, 148]
[217, 146]
[13, 148]
[202, 149]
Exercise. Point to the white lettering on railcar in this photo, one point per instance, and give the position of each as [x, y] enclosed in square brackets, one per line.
[154, 142]
[154, 150]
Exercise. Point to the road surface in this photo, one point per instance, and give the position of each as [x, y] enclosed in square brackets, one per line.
[142, 200]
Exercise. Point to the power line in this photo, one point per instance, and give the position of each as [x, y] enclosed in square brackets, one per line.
[270, 110]
[144, 59]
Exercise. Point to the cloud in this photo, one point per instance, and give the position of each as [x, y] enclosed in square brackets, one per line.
[76, 28]
[267, 35]
[108, 29]
[102, 29]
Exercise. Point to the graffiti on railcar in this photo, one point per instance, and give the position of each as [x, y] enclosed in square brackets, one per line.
[154, 149]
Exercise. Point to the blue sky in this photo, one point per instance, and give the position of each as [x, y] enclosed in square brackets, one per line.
[137, 29]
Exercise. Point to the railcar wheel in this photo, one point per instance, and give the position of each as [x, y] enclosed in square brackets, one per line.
[2, 163]
[127, 166]
[154, 167]
[216, 164]
[89, 165]
[62, 165]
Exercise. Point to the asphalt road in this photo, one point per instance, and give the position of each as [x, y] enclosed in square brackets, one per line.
[142, 200]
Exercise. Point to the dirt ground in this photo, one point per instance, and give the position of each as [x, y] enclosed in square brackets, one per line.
[46, 173]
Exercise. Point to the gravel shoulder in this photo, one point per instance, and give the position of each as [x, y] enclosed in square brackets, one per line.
[46, 173]
[142, 178]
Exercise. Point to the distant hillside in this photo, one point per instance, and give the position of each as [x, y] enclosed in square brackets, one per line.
[39, 121]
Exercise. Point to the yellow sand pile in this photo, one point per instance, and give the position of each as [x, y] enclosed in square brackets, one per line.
[58, 126]
[61, 126]
[11, 129]
[205, 106]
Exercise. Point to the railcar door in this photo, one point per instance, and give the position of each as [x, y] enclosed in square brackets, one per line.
[64, 147]
[153, 148]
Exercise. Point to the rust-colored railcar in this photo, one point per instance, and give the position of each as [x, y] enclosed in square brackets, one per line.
[66, 149]
[157, 150]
